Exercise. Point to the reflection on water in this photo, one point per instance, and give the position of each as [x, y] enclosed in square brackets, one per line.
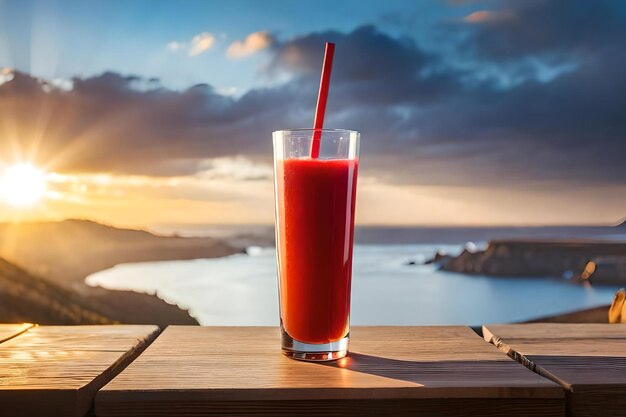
[241, 289]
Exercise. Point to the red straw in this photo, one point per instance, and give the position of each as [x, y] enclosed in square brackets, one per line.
[321, 99]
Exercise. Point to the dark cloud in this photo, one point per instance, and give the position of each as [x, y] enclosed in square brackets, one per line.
[570, 127]
[435, 127]
[107, 123]
[536, 27]
[369, 67]
[424, 118]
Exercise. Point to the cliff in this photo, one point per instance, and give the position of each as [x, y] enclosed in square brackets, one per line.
[533, 258]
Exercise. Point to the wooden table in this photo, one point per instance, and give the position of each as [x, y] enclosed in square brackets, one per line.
[443, 371]
[588, 360]
[57, 370]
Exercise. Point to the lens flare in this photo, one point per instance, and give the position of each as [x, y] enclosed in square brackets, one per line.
[22, 185]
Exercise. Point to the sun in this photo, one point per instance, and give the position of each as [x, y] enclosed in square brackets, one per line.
[22, 184]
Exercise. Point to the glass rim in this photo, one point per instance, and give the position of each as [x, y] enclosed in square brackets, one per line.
[323, 130]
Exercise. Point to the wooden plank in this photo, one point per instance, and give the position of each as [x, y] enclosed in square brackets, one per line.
[448, 371]
[57, 370]
[9, 331]
[588, 360]
[558, 331]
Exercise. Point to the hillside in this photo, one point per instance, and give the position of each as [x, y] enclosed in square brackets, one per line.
[60, 255]
[70, 250]
[27, 298]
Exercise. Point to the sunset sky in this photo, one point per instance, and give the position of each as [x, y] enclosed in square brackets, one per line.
[144, 113]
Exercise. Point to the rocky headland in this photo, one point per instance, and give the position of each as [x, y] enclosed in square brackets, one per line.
[572, 259]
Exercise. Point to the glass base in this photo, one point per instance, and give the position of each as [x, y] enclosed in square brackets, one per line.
[322, 352]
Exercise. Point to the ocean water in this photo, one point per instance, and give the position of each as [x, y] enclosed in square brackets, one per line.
[242, 289]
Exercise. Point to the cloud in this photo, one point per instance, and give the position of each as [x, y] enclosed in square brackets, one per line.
[220, 194]
[199, 44]
[252, 44]
[175, 46]
[425, 120]
[6, 75]
[234, 168]
[483, 16]
[539, 27]
[369, 67]
[228, 91]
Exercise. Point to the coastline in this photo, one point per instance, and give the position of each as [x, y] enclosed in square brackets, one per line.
[577, 260]
[386, 291]
[74, 249]
[65, 253]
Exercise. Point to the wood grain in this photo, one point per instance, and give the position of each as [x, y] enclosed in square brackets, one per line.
[588, 360]
[391, 370]
[9, 331]
[57, 370]
[558, 331]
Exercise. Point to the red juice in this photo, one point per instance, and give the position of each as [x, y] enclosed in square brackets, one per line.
[315, 224]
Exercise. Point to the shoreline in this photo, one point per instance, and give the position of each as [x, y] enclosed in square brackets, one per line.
[581, 261]
[66, 253]
[144, 308]
[204, 275]
[74, 249]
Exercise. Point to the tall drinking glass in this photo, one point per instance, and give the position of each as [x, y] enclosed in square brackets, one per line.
[315, 199]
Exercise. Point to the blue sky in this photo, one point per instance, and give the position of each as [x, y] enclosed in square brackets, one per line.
[83, 38]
